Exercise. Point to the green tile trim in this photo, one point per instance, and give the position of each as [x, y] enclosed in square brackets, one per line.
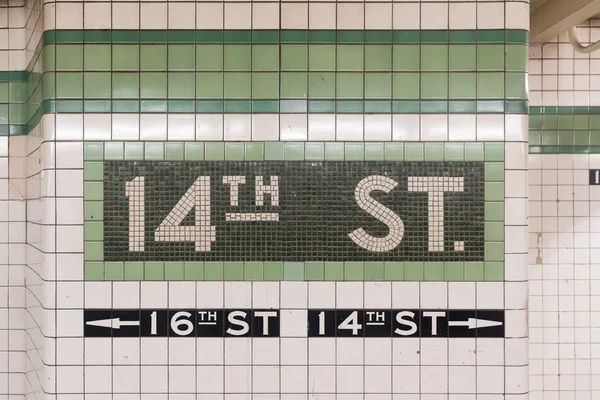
[233, 68]
[259, 106]
[492, 269]
[295, 271]
[564, 149]
[492, 152]
[557, 110]
[564, 130]
[14, 76]
[286, 36]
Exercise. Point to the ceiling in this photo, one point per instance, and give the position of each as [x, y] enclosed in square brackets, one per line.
[549, 18]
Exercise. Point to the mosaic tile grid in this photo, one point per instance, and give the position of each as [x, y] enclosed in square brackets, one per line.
[288, 71]
[293, 211]
[96, 268]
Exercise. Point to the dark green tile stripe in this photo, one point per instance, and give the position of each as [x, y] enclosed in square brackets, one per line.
[564, 149]
[13, 76]
[286, 36]
[562, 110]
[287, 106]
[266, 106]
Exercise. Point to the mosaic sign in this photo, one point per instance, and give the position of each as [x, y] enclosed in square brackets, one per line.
[293, 211]
[319, 323]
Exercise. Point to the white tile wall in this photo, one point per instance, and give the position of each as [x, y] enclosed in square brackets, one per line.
[20, 284]
[563, 275]
[560, 76]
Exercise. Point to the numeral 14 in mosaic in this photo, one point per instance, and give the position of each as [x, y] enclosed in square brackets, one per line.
[202, 233]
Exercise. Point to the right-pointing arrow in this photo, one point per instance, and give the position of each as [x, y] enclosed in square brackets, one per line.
[474, 323]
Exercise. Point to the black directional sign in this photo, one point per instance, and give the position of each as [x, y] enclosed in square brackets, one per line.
[320, 323]
[405, 323]
[594, 176]
[181, 323]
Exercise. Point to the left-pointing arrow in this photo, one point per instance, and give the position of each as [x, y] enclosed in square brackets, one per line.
[114, 323]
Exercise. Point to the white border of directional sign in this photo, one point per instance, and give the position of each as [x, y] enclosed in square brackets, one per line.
[455, 323]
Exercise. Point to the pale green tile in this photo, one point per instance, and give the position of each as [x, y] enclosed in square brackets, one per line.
[174, 271]
[434, 151]
[394, 271]
[293, 271]
[413, 151]
[494, 152]
[214, 151]
[394, 151]
[454, 151]
[174, 151]
[134, 151]
[294, 151]
[314, 151]
[234, 151]
[354, 152]
[334, 151]
[93, 171]
[474, 152]
[154, 151]
[374, 152]
[93, 151]
[274, 151]
[193, 271]
[113, 150]
[255, 152]
[194, 151]
[354, 271]
[233, 271]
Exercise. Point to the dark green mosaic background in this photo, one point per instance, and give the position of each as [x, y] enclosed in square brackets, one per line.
[317, 210]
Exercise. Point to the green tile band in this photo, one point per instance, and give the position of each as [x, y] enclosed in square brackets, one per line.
[564, 130]
[286, 36]
[288, 106]
[288, 271]
[255, 106]
[491, 269]
[491, 152]
[561, 110]
[267, 71]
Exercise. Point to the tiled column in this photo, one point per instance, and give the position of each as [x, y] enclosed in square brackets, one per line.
[428, 97]
[20, 285]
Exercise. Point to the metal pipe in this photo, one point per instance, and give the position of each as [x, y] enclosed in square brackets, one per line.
[577, 46]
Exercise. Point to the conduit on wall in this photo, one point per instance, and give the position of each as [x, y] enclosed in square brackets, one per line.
[577, 46]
